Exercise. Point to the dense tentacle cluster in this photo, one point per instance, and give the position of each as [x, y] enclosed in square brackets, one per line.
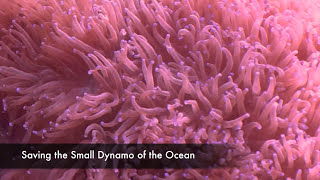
[244, 73]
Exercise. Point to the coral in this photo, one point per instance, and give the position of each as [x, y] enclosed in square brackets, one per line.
[245, 73]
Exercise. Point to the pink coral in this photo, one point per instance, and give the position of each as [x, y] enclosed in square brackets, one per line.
[244, 73]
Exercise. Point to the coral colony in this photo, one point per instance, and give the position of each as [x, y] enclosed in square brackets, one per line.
[242, 72]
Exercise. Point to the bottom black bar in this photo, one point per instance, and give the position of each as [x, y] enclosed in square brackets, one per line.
[137, 156]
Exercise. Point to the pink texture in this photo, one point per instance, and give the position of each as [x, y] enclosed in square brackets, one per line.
[245, 73]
